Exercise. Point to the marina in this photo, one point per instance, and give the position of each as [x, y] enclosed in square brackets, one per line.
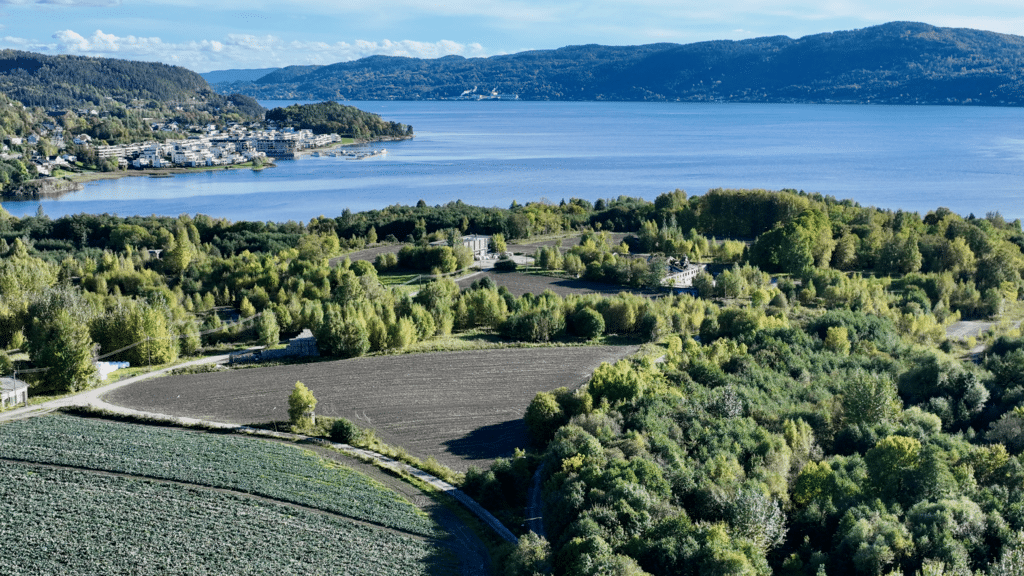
[350, 154]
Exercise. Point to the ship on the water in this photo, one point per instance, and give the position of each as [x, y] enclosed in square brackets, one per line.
[492, 95]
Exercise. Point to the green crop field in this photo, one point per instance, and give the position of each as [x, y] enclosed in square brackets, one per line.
[60, 521]
[249, 465]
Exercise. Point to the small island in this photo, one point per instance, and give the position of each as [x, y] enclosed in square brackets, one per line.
[331, 117]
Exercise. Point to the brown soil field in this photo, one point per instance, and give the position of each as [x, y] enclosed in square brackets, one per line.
[463, 408]
[519, 284]
[368, 254]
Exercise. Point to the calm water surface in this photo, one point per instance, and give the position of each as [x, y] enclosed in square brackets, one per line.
[491, 153]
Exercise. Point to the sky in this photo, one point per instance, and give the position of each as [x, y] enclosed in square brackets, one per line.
[205, 35]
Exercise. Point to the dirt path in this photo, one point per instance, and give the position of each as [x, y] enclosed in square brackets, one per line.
[968, 328]
[366, 455]
[89, 397]
[474, 558]
[473, 555]
[535, 505]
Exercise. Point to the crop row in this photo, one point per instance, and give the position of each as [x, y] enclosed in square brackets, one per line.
[253, 466]
[72, 522]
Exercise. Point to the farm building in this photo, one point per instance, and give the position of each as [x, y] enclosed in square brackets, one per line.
[303, 345]
[477, 243]
[681, 274]
[13, 392]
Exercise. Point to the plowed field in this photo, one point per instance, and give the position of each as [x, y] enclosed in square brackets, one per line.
[519, 284]
[368, 254]
[463, 408]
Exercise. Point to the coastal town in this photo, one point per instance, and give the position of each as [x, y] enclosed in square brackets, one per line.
[204, 146]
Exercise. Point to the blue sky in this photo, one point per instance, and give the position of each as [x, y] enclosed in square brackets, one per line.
[206, 35]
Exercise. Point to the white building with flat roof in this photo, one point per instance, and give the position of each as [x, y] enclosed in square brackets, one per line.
[477, 244]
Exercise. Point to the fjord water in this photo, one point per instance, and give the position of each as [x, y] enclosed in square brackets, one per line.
[917, 158]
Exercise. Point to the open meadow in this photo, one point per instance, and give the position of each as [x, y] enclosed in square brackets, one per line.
[98, 497]
[463, 408]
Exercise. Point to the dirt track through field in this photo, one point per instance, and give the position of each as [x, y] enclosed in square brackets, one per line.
[463, 408]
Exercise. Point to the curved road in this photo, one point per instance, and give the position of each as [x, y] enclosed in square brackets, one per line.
[91, 397]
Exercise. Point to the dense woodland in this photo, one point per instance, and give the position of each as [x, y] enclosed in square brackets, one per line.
[112, 101]
[818, 424]
[899, 62]
[62, 82]
[334, 118]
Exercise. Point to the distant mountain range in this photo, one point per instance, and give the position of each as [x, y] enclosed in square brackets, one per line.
[898, 63]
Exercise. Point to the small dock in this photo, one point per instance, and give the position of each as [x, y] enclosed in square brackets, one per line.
[351, 154]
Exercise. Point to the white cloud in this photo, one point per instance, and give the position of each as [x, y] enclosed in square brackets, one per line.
[241, 50]
[343, 51]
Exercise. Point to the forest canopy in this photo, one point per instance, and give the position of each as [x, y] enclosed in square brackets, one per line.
[334, 118]
[65, 81]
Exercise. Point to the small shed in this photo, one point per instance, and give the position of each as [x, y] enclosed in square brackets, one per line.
[13, 392]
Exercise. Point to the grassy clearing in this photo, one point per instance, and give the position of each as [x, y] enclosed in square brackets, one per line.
[480, 339]
[396, 279]
[253, 466]
[75, 522]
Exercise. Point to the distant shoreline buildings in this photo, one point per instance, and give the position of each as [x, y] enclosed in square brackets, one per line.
[205, 146]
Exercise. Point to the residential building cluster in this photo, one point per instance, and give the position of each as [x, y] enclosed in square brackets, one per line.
[206, 146]
[235, 144]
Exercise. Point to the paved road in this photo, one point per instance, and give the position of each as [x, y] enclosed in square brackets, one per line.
[91, 397]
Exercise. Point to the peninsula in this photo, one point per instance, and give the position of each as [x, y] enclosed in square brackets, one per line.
[65, 119]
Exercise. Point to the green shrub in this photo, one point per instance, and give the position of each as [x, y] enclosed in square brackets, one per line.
[301, 404]
[344, 431]
[506, 265]
[588, 323]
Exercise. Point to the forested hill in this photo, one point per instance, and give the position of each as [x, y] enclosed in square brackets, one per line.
[77, 81]
[898, 62]
[331, 117]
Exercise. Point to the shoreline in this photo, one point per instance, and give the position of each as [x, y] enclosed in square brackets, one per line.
[86, 177]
